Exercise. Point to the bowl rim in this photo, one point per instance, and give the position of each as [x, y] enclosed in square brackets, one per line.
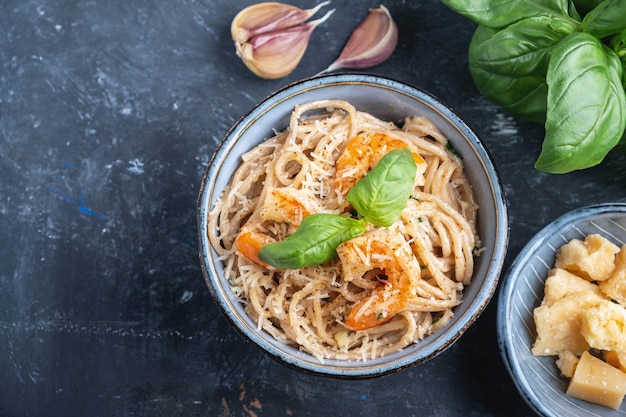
[364, 369]
[510, 279]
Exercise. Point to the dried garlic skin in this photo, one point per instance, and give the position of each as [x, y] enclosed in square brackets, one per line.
[276, 54]
[268, 17]
[371, 43]
[271, 38]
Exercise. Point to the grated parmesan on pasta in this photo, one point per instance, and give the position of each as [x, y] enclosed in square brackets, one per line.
[307, 307]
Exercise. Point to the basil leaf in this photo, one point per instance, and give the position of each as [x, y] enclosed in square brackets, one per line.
[524, 96]
[522, 48]
[313, 243]
[382, 194]
[606, 19]
[498, 13]
[586, 113]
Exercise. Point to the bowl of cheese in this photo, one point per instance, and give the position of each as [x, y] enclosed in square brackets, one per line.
[562, 315]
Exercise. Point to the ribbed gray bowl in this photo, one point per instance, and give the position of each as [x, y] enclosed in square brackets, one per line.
[538, 378]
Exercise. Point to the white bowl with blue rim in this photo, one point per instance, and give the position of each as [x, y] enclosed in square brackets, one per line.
[390, 100]
[537, 377]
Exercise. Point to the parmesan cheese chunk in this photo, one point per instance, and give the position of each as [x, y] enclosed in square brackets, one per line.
[558, 325]
[615, 287]
[561, 283]
[567, 363]
[592, 259]
[604, 326]
[596, 381]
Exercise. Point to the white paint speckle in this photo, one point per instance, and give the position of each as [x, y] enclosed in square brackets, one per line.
[136, 166]
[504, 125]
[34, 377]
[187, 295]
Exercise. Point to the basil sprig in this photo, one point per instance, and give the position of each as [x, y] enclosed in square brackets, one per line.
[557, 62]
[379, 198]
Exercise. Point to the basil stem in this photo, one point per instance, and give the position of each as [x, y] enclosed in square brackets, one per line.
[585, 6]
[313, 243]
[618, 43]
[382, 194]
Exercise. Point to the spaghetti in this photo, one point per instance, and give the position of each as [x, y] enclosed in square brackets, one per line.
[407, 277]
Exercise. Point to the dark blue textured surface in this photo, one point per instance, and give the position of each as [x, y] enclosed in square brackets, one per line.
[109, 113]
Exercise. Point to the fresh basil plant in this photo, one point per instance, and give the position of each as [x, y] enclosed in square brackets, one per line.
[558, 62]
[379, 198]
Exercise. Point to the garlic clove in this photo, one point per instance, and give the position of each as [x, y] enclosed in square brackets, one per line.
[268, 17]
[371, 43]
[276, 53]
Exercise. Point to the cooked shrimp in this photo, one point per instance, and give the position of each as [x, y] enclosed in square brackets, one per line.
[249, 243]
[362, 154]
[287, 205]
[385, 256]
[281, 205]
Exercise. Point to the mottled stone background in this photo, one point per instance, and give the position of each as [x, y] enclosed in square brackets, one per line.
[109, 113]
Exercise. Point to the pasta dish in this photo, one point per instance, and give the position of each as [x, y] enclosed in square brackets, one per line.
[382, 290]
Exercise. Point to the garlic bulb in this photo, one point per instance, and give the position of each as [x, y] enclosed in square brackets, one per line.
[271, 38]
[371, 43]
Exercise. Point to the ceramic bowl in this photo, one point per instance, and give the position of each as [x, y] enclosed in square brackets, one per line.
[386, 99]
[538, 378]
